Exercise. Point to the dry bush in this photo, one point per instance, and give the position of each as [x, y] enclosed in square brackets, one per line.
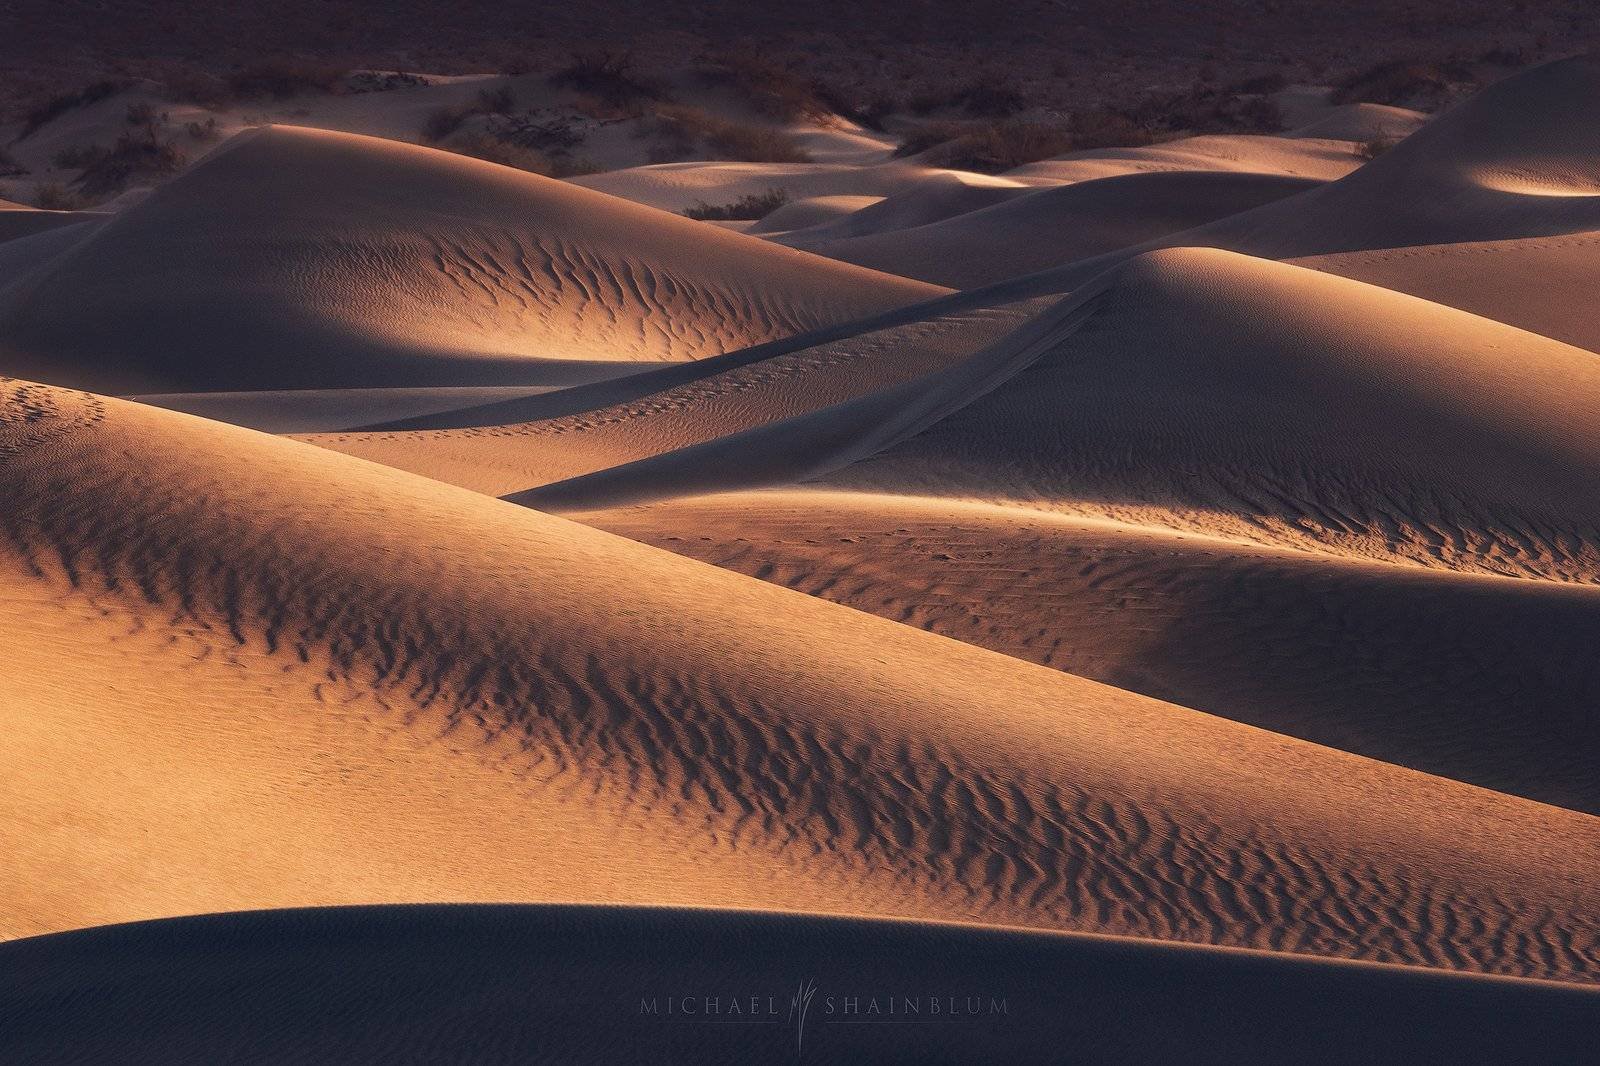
[1106, 129]
[186, 84]
[494, 150]
[77, 156]
[285, 77]
[1206, 109]
[59, 105]
[1377, 146]
[682, 127]
[202, 131]
[53, 196]
[1261, 85]
[772, 90]
[1399, 81]
[444, 121]
[870, 113]
[982, 98]
[992, 147]
[753, 206]
[608, 76]
[142, 152]
[9, 167]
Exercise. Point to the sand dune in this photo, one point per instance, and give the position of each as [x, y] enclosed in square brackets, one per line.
[519, 445]
[1514, 161]
[1298, 155]
[1050, 227]
[1540, 284]
[320, 260]
[1463, 676]
[815, 211]
[393, 688]
[1363, 123]
[370, 984]
[939, 197]
[675, 186]
[19, 221]
[1182, 391]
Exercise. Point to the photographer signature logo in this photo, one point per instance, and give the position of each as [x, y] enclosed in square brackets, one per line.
[806, 1006]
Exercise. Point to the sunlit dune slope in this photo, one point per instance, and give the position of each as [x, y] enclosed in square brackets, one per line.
[1206, 391]
[263, 674]
[1211, 391]
[298, 258]
[1475, 678]
[516, 445]
[1055, 226]
[1541, 284]
[576, 984]
[1516, 160]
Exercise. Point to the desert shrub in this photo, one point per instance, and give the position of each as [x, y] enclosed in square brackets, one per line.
[869, 113]
[52, 196]
[608, 76]
[136, 154]
[982, 98]
[1261, 85]
[1394, 82]
[1376, 146]
[556, 134]
[1503, 56]
[1206, 109]
[286, 77]
[1101, 128]
[772, 90]
[752, 206]
[993, 147]
[443, 121]
[184, 82]
[494, 150]
[77, 156]
[930, 135]
[9, 167]
[202, 131]
[383, 81]
[497, 101]
[59, 105]
[682, 127]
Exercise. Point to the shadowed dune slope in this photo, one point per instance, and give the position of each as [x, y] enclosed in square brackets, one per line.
[1206, 391]
[1209, 391]
[393, 689]
[1482, 679]
[1054, 226]
[297, 258]
[499, 449]
[576, 984]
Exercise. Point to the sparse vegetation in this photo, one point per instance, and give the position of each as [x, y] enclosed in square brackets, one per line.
[56, 106]
[283, 78]
[681, 128]
[753, 206]
[9, 167]
[202, 131]
[1206, 109]
[1399, 81]
[77, 156]
[1377, 146]
[511, 154]
[982, 98]
[444, 121]
[608, 76]
[1261, 85]
[52, 196]
[772, 90]
[994, 147]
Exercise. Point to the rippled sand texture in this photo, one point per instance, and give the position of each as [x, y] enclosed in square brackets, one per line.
[1175, 565]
